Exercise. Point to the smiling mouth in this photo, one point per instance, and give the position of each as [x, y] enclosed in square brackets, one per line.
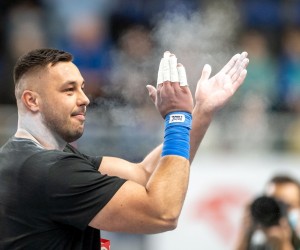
[79, 114]
[80, 117]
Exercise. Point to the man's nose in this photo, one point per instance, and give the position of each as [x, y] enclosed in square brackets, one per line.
[83, 99]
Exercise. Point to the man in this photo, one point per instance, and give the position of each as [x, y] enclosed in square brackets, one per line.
[54, 197]
[284, 235]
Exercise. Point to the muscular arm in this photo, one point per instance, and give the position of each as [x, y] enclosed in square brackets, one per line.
[155, 206]
[211, 94]
[136, 172]
[141, 172]
[151, 209]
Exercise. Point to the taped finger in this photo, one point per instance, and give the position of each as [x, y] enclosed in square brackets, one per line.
[166, 67]
[167, 54]
[182, 75]
[160, 78]
[173, 69]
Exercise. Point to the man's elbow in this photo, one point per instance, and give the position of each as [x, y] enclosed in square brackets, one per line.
[169, 221]
[171, 225]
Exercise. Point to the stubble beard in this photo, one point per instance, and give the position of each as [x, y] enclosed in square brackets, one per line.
[61, 127]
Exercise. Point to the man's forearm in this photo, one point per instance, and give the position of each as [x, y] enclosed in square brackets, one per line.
[168, 186]
[201, 122]
[151, 161]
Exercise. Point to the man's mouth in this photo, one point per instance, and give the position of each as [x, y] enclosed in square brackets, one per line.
[79, 115]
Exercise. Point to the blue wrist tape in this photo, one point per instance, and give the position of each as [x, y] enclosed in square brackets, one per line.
[177, 134]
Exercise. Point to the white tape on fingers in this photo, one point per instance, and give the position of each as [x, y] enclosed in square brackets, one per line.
[173, 69]
[167, 54]
[182, 75]
[166, 69]
[160, 78]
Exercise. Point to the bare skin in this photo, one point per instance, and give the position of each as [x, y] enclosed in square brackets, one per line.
[211, 94]
[152, 198]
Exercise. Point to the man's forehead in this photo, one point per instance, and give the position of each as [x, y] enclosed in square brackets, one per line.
[282, 187]
[64, 70]
[59, 73]
[62, 67]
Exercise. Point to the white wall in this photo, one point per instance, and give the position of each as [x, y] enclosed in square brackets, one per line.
[220, 186]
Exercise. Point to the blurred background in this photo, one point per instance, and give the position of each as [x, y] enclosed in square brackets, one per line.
[117, 45]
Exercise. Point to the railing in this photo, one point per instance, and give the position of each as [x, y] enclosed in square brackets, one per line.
[132, 133]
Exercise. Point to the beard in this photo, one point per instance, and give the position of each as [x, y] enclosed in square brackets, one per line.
[61, 126]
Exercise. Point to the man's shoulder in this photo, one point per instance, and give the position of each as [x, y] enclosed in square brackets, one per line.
[29, 154]
[53, 156]
[25, 151]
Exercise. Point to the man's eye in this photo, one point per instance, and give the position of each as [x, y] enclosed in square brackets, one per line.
[69, 89]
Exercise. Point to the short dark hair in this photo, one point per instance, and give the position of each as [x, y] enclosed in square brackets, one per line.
[39, 58]
[284, 179]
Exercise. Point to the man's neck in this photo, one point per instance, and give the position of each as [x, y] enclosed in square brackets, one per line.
[50, 143]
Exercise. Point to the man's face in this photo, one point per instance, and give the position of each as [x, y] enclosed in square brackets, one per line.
[62, 100]
[287, 192]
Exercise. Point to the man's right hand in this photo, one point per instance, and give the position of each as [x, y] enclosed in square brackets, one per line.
[172, 92]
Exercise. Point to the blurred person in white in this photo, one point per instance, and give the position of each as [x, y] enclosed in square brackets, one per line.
[54, 197]
[284, 235]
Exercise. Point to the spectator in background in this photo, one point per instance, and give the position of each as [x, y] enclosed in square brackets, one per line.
[266, 14]
[133, 64]
[262, 73]
[87, 39]
[285, 235]
[256, 97]
[81, 27]
[289, 79]
[24, 31]
[289, 87]
[292, 135]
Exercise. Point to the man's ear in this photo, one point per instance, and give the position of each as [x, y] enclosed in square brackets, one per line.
[30, 100]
